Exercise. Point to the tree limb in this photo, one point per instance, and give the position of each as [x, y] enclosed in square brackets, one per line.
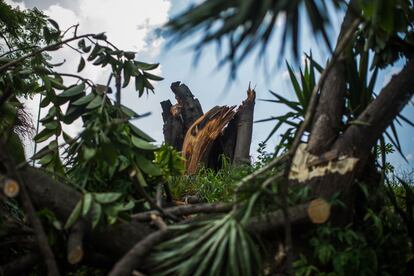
[135, 257]
[374, 120]
[185, 210]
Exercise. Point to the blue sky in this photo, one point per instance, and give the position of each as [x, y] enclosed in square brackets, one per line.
[207, 83]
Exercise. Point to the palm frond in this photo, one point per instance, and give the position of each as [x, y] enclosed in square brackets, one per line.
[214, 246]
[249, 23]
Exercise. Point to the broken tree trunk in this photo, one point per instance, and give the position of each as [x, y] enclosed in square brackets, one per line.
[244, 119]
[203, 139]
[200, 137]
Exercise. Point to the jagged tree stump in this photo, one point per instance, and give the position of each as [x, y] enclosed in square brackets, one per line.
[203, 138]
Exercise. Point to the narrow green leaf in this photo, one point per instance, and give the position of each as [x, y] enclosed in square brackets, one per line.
[81, 64]
[106, 198]
[153, 77]
[84, 100]
[139, 84]
[46, 159]
[96, 214]
[73, 91]
[146, 66]
[43, 135]
[147, 166]
[52, 125]
[142, 144]
[140, 133]
[96, 102]
[87, 203]
[74, 215]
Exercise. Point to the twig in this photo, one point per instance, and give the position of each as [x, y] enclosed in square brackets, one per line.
[158, 195]
[185, 210]
[118, 89]
[158, 221]
[17, 61]
[88, 81]
[262, 170]
[37, 128]
[68, 29]
[151, 202]
[168, 195]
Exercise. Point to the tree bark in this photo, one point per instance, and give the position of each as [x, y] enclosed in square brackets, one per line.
[361, 136]
[190, 107]
[328, 118]
[173, 128]
[112, 240]
[203, 139]
[244, 119]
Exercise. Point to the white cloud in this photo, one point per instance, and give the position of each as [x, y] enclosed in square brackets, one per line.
[20, 5]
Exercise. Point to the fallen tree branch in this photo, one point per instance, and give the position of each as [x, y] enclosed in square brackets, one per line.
[9, 187]
[75, 251]
[327, 120]
[112, 240]
[140, 189]
[185, 210]
[42, 240]
[380, 113]
[317, 211]
[20, 266]
[135, 257]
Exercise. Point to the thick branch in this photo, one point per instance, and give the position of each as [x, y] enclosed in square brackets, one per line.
[113, 240]
[328, 117]
[362, 135]
[135, 257]
[75, 249]
[186, 210]
[314, 212]
[26, 202]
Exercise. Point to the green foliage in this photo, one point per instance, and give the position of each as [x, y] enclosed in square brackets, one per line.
[211, 246]
[388, 30]
[378, 246]
[302, 86]
[110, 206]
[169, 161]
[101, 160]
[209, 185]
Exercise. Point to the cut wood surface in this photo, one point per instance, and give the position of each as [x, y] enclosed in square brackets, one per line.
[9, 187]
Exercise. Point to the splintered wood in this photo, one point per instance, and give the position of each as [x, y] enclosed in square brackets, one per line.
[203, 138]
[202, 134]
